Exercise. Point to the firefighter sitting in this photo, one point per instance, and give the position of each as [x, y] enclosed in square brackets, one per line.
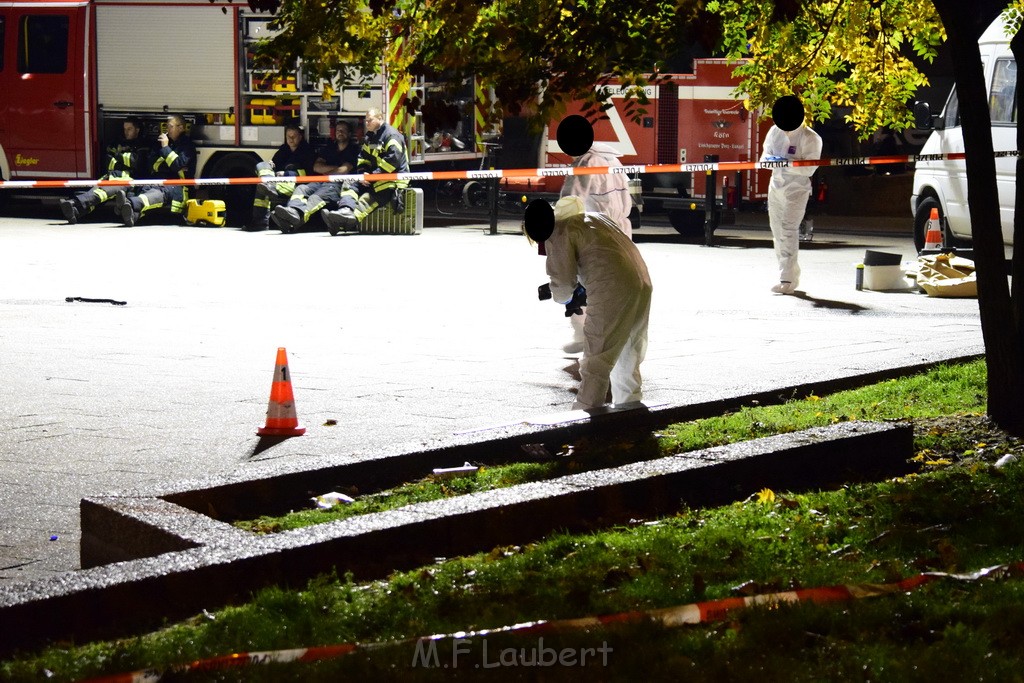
[308, 199]
[126, 159]
[294, 158]
[383, 151]
[176, 158]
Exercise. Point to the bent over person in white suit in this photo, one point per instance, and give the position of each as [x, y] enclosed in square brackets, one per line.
[588, 250]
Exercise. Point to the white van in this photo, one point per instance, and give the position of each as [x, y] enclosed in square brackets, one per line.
[943, 184]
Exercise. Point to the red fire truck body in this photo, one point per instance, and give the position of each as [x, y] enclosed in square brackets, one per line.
[71, 70]
[690, 118]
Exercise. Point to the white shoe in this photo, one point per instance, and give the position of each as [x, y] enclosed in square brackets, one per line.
[784, 287]
[573, 347]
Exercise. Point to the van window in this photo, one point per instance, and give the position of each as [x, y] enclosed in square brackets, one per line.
[43, 44]
[951, 114]
[1002, 102]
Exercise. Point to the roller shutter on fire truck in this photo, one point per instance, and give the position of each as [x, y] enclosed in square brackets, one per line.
[176, 56]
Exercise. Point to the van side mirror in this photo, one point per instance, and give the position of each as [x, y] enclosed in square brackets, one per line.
[922, 115]
[924, 119]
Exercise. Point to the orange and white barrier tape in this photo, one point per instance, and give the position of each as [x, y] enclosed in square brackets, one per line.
[669, 617]
[563, 171]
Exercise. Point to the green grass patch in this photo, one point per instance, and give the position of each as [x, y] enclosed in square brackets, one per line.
[960, 513]
[407, 494]
[946, 390]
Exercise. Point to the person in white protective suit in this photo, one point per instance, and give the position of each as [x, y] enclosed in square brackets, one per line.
[790, 188]
[607, 194]
[587, 250]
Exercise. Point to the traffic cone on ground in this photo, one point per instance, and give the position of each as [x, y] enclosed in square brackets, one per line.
[281, 417]
[933, 238]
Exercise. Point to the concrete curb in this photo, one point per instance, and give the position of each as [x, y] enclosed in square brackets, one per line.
[207, 563]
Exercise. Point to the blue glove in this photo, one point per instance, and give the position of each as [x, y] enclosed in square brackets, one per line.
[577, 302]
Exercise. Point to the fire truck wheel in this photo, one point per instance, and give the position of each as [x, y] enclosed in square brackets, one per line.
[686, 222]
[474, 194]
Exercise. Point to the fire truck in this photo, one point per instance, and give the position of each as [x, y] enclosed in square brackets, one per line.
[71, 70]
[690, 118]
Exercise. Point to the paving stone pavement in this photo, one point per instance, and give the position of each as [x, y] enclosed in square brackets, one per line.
[403, 341]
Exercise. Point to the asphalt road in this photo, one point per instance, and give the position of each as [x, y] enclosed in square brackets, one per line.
[400, 341]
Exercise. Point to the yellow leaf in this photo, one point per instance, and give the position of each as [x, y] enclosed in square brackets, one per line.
[765, 496]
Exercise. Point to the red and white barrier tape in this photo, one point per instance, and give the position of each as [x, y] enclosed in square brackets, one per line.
[668, 617]
[565, 171]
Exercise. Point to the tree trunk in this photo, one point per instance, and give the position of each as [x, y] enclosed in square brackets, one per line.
[1017, 281]
[1003, 351]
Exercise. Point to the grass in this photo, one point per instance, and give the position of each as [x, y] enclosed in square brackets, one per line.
[406, 494]
[959, 513]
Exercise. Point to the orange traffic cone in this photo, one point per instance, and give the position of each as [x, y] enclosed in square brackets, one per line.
[933, 238]
[281, 417]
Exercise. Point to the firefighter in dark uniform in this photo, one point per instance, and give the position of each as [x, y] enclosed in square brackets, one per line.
[294, 158]
[126, 159]
[383, 152]
[175, 158]
[338, 159]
